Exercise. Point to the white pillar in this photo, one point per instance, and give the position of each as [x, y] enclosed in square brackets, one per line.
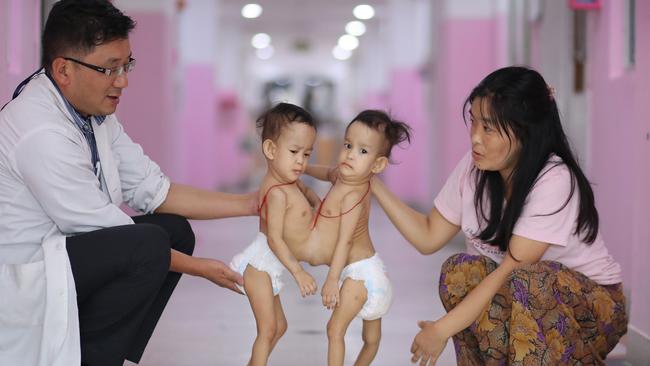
[408, 42]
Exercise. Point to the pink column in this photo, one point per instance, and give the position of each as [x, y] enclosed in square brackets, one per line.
[234, 140]
[640, 314]
[375, 100]
[409, 178]
[199, 120]
[149, 108]
[20, 29]
[620, 147]
[613, 138]
[467, 54]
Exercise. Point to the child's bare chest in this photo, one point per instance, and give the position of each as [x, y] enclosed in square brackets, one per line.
[298, 207]
[332, 203]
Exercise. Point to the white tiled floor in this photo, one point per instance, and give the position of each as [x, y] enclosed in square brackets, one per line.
[207, 325]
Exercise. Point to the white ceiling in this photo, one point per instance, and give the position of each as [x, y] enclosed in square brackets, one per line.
[313, 21]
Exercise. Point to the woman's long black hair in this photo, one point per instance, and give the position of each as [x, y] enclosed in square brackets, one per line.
[523, 104]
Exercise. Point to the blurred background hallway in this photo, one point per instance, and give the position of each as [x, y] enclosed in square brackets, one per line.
[206, 68]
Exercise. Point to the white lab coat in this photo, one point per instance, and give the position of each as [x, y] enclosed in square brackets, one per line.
[38, 310]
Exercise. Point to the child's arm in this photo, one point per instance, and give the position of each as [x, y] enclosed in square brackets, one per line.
[312, 197]
[322, 172]
[277, 204]
[330, 291]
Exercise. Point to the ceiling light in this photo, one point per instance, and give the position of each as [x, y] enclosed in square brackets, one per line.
[261, 40]
[363, 12]
[355, 28]
[348, 42]
[251, 11]
[265, 53]
[341, 54]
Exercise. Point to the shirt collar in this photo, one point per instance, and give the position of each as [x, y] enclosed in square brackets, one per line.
[78, 118]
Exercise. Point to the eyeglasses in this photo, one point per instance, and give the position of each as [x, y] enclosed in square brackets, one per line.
[113, 71]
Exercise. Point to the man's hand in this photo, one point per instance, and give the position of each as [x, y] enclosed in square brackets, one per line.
[428, 344]
[219, 273]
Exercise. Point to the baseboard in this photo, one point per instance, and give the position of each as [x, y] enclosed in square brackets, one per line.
[638, 347]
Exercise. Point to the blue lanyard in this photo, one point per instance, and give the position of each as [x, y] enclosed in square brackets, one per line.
[89, 134]
[20, 87]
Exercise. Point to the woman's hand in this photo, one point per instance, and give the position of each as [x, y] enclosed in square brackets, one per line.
[374, 181]
[428, 343]
[252, 203]
[333, 174]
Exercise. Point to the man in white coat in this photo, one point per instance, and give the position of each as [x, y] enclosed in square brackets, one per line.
[81, 282]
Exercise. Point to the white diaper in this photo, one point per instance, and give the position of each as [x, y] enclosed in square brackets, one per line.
[380, 292]
[260, 256]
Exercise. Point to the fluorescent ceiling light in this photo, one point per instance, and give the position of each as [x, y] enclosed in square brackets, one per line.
[265, 53]
[363, 12]
[341, 54]
[348, 42]
[251, 11]
[355, 28]
[261, 40]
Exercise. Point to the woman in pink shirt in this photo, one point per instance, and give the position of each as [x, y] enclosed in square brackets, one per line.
[537, 285]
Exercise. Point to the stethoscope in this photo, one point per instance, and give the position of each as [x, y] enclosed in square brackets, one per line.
[22, 85]
[19, 89]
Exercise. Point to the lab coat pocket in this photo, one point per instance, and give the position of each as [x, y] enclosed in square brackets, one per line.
[22, 299]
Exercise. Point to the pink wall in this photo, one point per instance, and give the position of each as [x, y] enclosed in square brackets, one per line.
[467, 53]
[149, 107]
[620, 147]
[611, 107]
[199, 126]
[641, 271]
[235, 146]
[409, 177]
[374, 100]
[20, 28]
[619, 128]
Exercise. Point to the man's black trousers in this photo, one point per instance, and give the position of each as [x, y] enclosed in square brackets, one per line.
[123, 283]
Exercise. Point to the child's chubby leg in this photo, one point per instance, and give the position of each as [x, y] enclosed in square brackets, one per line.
[269, 317]
[371, 336]
[353, 295]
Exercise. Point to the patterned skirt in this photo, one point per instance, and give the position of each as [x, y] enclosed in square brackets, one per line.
[546, 314]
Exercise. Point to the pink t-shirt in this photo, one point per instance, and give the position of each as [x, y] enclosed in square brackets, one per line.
[537, 221]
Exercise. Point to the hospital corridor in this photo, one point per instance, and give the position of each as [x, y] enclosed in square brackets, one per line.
[199, 73]
[216, 327]
[208, 326]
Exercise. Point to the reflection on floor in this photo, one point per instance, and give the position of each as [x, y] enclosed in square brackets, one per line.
[205, 325]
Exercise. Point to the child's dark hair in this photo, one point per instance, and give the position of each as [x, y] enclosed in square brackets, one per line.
[272, 121]
[394, 131]
[76, 27]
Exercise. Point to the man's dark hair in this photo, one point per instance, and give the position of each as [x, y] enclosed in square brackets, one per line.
[394, 131]
[78, 26]
[272, 121]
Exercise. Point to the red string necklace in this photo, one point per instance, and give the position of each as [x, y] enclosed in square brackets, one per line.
[320, 207]
[259, 210]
